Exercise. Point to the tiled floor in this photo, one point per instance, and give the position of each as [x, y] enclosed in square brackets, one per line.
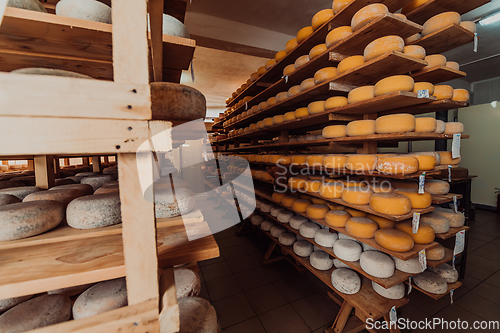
[255, 299]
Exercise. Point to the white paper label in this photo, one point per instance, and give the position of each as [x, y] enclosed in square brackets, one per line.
[449, 173]
[476, 42]
[455, 206]
[451, 295]
[415, 223]
[423, 260]
[421, 183]
[246, 106]
[455, 148]
[286, 78]
[393, 316]
[459, 243]
[453, 262]
[423, 93]
[409, 286]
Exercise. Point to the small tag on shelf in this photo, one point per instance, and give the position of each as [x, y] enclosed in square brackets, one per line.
[423, 93]
[421, 183]
[459, 243]
[455, 206]
[455, 147]
[192, 70]
[409, 285]
[453, 262]
[393, 315]
[449, 173]
[415, 223]
[451, 295]
[423, 260]
[246, 106]
[476, 42]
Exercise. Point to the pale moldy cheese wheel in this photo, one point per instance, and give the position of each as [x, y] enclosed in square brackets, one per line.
[287, 239]
[346, 281]
[85, 10]
[390, 203]
[197, 315]
[26, 219]
[418, 201]
[64, 196]
[437, 253]
[377, 264]
[456, 220]
[104, 190]
[6, 199]
[367, 14]
[383, 45]
[275, 210]
[285, 216]
[325, 238]
[424, 235]
[350, 63]
[303, 248]
[439, 223]
[37, 312]
[296, 221]
[267, 225]
[97, 181]
[94, 211]
[168, 204]
[321, 260]
[34, 5]
[431, 283]
[447, 272]
[8, 303]
[410, 266]
[20, 192]
[321, 18]
[337, 218]
[440, 21]
[393, 84]
[187, 283]
[277, 230]
[339, 264]
[256, 219]
[395, 292]
[304, 33]
[308, 229]
[347, 250]
[394, 240]
[361, 227]
[337, 35]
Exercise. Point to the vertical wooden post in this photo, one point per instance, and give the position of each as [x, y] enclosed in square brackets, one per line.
[31, 165]
[85, 161]
[44, 171]
[96, 164]
[369, 147]
[155, 10]
[67, 162]
[106, 160]
[5, 162]
[57, 168]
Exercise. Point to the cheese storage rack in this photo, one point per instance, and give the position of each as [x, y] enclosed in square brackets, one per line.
[47, 117]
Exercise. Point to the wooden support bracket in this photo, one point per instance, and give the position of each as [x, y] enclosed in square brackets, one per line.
[44, 171]
[96, 164]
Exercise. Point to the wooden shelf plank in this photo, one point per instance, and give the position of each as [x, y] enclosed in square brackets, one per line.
[452, 232]
[451, 286]
[435, 106]
[434, 7]
[437, 75]
[441, 199]
[344, 17]
[445, 39]
[448, 256]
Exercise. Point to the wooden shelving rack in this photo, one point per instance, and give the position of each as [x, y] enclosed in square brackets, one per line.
[47, 117]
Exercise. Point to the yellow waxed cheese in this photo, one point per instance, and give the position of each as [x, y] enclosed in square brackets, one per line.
[361, 162]
[418, 201]
[262, 106]
[460, 95]
[317, 50]
[383, 45]
[266, 175]
[268, 122]
[413, 38]
[395, 123]
[325, 74]
[271, 101]
[258, 158]
[367, 14]
[440, 21]
[337, 218]
[313, 186]
[425, 162]
[383, 223]
[425, 125]
[277, 197]
[260, 124]
[338, 5]
[412, 5]
[270, 63]
[453, 65]
[253, 127]
[435, 60]
[278, 119]
[316, 107]
[354, 183]
[361, 94]
[290, 45]
[454, 128]
[280, 55]
[321, 18]
[254, 76]
[307, 84]
[290, 116]
[397, 165]
[266, 158]
[281, 96]
[304, 33]
[437, 187]
[424, 235]
[394, 240]
[357, 195]
[360, 127]
[300, 205]
[337, 35]
[299, 159]
[295, 90]
[315, 160]
[390, 203]
[288, 200]
[394, 83]
[350, 63]
[301, 61]
[424, 86]
[301, 112]
[334, 131]
[471, 26]
[281, 159]
[336, 102]
[297, 183]
[355, 212]
[289, 70]
[416, 51]
[317, 212]
[442, 92]
[331, 190]
[361, 227]
[383, 187]
[334, 161]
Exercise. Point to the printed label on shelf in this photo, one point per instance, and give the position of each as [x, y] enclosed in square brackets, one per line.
[393, 315]
[409, 286]
[453, 262]
[455, 148]
[449, 173]
[476, 42]
[451, 295]
[415, 223]
[246, 106]
[192, 70]
[455, 207]
[421, 183]
[459, 243]
[423, 93]
[285, 77]
[422, 260]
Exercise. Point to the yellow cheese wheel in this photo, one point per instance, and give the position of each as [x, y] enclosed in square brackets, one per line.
[277, 197]
[471, 26]
[442, 92]
[301, 61]
[274, 158]
[355, 212]
[262, 106]
[412, 5]
[440, 21]
[337, 218]
[317, 212]
[424, 86]
[317, 50]
[252, 158]
[394, 240]
[416, 51]
[283, 160]
[295, 90]
[291, 44]
[361, 227]
[360, 127]
[338, 5]
[321, 18]
[337, 35]
[401, 16]
[453, 65]
[383, 45]
[289, 70]
[271, 101]
[382, 187]
[361, 163]
[454, 128]
[357, 195]
[300, 205]
[424, 235]
[383, 223]
[253, 127]
[395, 123]
[331, 190]
[316, 107]
[413, 38]
[254, 76]
[278, 119]
[266, 158]
[350, 63]
[301, 112]
[266, 175]
[299, 159]
[394, 83]
[335, 102]
[425, 125]
[281, 96]
[307, 84]
[270, 63]
[304, 33]
[397, 165]
[353, 183]
[335, 161]
[288, 200]
[280, 55]
[325, 74]
[313, 186]
[290, 116]
[334, 131]
[318, 201]
[418, 201]
[268, 122]
[460, 95]
[390, 203]
[426, 162]
[260, 124]
[258, 158]
[315, 160]
[361, 94]
[435, 60]
[367, 14]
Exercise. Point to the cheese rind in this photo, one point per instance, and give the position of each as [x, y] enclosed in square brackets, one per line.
[416, 51]
[437, 253]
[383, 45]
[291, 44]
[334, 161]
[360, 127]
[367, 14]
[457, 220]
[321, 18]
[424, 235]
[442, 92]
[361, 163]
[347, 250]
[316, 212]
[390, 203]
[324, 237]
[397, 165]
[316, 107]
[440, 21]
[394, 240]
[336, 102]
[331, 190]
[357, 195]
[338, 5]
[439, 223]
[337, 35]
[394, 83]
[335, 131]
[447, 272]
[321, 260]
[377, 264]
[350, 63]
[325, 74]
[460, 95]
[395, 292]
[424, 86]
[303, 248]
[395, 123]
[361, 227]
[301, 61]
[317, 50]
[287, 239]
[307, 84]
[304, 33]
[361, 94]
[346, 281]
[431, 283]
[425, 125]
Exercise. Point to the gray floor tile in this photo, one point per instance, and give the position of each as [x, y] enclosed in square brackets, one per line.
[451, 314]
[216, 271]
[233, 310]
[212, 261]
[494, 279]
[315, 310]
[204, 293]
[252, 278]
[252, 325]
[223, 287]
[265, 298]
[487, 291]
[479, 306]
[283, 320]
[294, 288]
[477, 272]
[313, 281]
[279, 270]
[427, 304]
[486, 253]
[474, 244]
[242, 264]
[475, 258]
[480, 235]
[227, 242]
[233, 252]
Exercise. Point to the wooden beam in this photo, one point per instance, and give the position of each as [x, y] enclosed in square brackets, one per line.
[44, 171]
[31, 165]
[221, 45]
[169, 308]
[96, 164]
[155, 10]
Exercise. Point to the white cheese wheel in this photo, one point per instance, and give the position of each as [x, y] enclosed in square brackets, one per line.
[431, 283]
[100, 298]
[454, 128]
[321, 260]
[439, 223]
[410, 266]
[395, 292]
[297, 221]
[169, 204]
[457, 220]
[33, 5]
[64, 196]
[344, 236]
[367, 14]
[90, 10]
[339, 264]
[436, 187]
[367, 247]
[20, 192]
[383, 45]
[267, 225]
[447, 272]
[377, 264]
[265, 207]
[197, 315]
[287, 239]
[6, 199]
[440, 21]
[275, 210]
[277, 230]
[303, 248]
[309, 229]
[187, 283]
[347, 250]
[346, 281]
[301, 61]
[325, 238]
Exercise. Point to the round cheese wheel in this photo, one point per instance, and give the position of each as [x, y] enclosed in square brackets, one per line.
[313, 186]
[324, 237]
[300, 205]
[361, 94]
[318, 201]
[321, 260]
[335, 161]
[457, 220]
[357, 195]
[460, 95]
[187, 283]
[332, 190]
[453, 65]
[316, 107]
[277, 197]
[299, 159]
[425, 125]
[393, 84]
[289, 116]
[350, 63]
[382, 223]
[288, 200]
[308, 229]
[346, 281]
[304, 33]
[347, 250]
[367, 14]
[8, 303]
[297, 220]
[291, 44]
[197, 315]
[256, 220]
[431, 282]
[436, 187]
[296, 183]
[337, 35]
[301, 61]
[415, 51]
[471, 26]
[266, 207]
[270, 63]
[276, 158]
[413, 38]
[316, 212]
[97, 211]
[339, 264]
[418, 201]
[20, 192]
[338, 5]
[425, 162]
[317, 51]
[303, 248]
[361, 227]
[275, 210]
[254, 76]
[287, 239]
[394, 240]
[447, 158]
[360, 127]
[397, 165]
[411, 266]
[100, 12]
[289, 70]
[435, 60]
[295, 90]
[307, 84]
[261, 71]
[424, 86]
[100, 298]
[315, 160]
[440, 21]
[442, 92]
[383, 187]
[321, 18]
[280, 55]
[390, 203]
[439, 223]
[336, 102]
[334, 131]
[267, 225]
[383, 45]
[447, 272]
[395, 292]
[6, 199]
[301, 112]
[337, 218]
[361, 163]
[271, 101]
[64, 196]
[377, 264]
[277, 230]
[395, 123]
[325, 74]
[278, 119]
[424, 235]
[437, 253]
